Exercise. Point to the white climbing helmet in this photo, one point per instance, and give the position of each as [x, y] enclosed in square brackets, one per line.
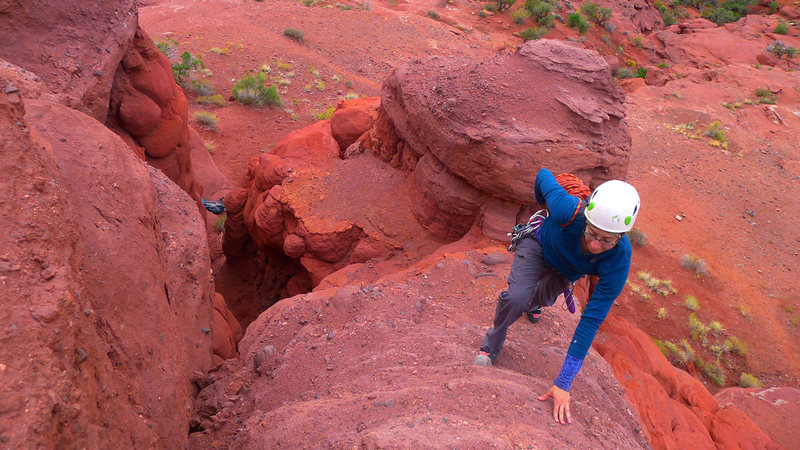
[613, 207]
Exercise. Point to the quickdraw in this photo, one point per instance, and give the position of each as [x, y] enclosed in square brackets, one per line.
[524, 230]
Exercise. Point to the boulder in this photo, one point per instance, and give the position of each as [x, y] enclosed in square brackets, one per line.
[775, 410]
[352, 119]
[463, 148]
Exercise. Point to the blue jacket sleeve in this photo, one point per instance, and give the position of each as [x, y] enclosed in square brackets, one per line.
[561, 204]
[613, 275]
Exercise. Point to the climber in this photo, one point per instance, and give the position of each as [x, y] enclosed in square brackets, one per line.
[577, 238]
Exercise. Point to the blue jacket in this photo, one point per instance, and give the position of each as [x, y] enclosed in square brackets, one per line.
[562, 250]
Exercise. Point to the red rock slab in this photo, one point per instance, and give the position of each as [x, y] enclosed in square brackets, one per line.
[776, 410]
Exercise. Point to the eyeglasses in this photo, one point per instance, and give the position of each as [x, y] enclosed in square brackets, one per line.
[606, 241]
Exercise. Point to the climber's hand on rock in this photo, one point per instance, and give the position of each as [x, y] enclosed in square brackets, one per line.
[560, 404]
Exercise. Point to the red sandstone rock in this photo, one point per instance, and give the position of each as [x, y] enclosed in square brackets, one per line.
[775, 410]
[74, 47]
[227, 332]
[151, 108]
[312, 143]
[352, 119]
[431, 124]
[108, 295]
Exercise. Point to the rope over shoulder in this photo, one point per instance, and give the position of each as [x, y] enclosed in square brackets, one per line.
[574, 186]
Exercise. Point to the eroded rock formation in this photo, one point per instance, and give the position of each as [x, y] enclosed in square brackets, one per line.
[107, 304]
[472, 134]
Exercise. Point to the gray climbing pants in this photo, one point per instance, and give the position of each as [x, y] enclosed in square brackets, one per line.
[531, 283]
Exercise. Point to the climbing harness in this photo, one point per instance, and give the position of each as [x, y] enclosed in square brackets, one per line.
[524, 230]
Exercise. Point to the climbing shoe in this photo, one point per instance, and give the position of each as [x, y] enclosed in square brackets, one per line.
[535, 315]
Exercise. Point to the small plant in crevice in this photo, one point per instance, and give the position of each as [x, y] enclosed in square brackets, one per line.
[781, 28]
[712, 371]
[694, 264]
[206, 119]
[211, 145]
[749, 381]
[219, 223]
[577, 21]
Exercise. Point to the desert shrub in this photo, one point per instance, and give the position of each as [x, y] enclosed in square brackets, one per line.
[637, 237]
[534, 33]
[637, 41]
[187, 63]
[749, 381]
[343, 6]
[781, 28]
[251, 90]
[697, 328]
[691, 262]
[589, 9]
[641, 72]
[519, 16]
[686, 352]
[433, 14]
[671, 347]
[219, 223]
[548, 21]
[726, 11]
[482, 13]
[773, 6]
[491, 7]
[691, 303]
[220, 51]
[576, 20]
[779, 48]
[320, 86]
[711, 370]
[503, 5]
[737, 345]
[206, 119]
[365, 5]
[216, 100]
[538, 9]
[663, 65]
[168, 48]
[714, 131]
[202, 87]
[625, 72]
[662, 313]
[663, 287]
[764, 95]
[294, 33]
[716, 328]
[327, 114]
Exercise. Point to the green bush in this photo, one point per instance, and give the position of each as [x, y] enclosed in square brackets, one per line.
[433, 14]
[216, 100]
[576, 20]
[519, 16]
[603, 15]
[491, 7]
[251, 90]
[538, 8]
[774, 6]
[534, 33]
[781, 28]
[180, 69]
[589, 9]
[661, 346]
[548, 21]
[641, 72]
[764, 95]
[714, 131]
[294, 33]
[503, 5]
[202, 88]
